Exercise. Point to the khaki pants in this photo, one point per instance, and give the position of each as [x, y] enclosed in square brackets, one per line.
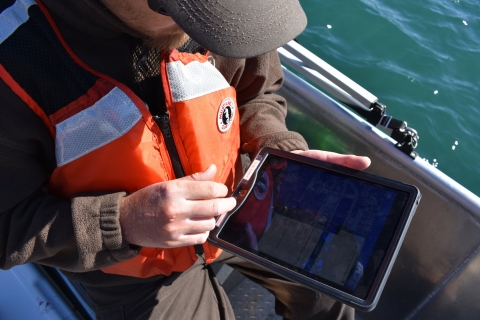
[196, 294]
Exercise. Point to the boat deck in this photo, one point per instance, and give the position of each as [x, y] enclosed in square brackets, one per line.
[249, 300]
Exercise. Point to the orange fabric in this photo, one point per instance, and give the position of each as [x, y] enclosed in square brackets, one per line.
[151, 262]
[213, 146]
[198, 140]
[193, 123]
[139, 158]
[116, 166]
[185, 57]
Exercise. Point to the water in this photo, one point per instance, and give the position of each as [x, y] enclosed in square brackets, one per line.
[421, 59]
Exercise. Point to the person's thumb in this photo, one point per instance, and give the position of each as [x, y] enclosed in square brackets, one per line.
[206, 175]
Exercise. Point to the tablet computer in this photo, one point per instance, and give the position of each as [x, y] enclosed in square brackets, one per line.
[330, 228]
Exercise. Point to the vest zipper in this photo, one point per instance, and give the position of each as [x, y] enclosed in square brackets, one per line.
[164, 125]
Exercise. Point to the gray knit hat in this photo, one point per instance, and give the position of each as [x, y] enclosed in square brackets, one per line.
[236, 28]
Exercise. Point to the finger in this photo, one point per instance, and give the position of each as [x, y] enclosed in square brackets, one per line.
[199, 190]
[350, 161]
[357, 162]
[210, 208]
[206, 175]
[195, 189]
[199, 226]
[192, 239]
[177, 234]
[187, 240]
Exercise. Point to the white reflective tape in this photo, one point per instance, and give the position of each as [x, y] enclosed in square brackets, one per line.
[194, 80]
[108, 119]
[13, 17]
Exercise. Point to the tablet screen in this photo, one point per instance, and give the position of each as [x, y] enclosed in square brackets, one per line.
[328, 226]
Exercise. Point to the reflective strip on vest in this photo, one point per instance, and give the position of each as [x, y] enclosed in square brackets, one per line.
[108, 119]
[13, 17]
[194, 80]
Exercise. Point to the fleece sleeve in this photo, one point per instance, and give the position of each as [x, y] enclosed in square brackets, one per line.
[78, 234]
[262, 112]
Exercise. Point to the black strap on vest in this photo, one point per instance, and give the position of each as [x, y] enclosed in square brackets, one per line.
[199, 249]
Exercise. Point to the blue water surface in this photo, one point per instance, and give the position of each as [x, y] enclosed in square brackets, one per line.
[421, 59]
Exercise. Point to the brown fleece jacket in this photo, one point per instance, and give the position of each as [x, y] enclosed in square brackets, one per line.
[82, 234]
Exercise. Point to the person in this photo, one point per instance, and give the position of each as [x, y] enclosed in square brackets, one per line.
[116, 154]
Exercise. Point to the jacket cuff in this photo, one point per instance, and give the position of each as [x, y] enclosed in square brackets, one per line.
[111, 230]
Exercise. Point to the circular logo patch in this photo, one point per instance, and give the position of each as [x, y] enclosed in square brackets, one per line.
[261, 188]
[226, 114]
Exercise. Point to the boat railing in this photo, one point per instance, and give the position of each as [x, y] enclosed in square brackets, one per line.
[349, 93]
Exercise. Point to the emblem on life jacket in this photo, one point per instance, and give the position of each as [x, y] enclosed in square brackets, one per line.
[261, 187]
[226, 114]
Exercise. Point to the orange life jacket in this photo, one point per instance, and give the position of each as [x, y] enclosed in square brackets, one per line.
[107, 140]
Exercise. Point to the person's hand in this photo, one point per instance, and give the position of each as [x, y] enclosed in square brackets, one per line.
[346, 160]
[174, 213]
